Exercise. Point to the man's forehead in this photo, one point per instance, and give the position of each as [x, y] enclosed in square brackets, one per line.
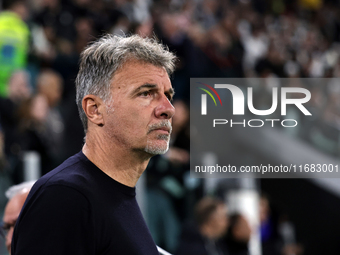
[139, 74]
[131, 63]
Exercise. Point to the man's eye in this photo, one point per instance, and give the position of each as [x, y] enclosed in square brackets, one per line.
[145, 93]
[169, 98]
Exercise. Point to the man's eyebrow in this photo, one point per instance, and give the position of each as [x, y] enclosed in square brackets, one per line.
[171, 91]
[148, 86]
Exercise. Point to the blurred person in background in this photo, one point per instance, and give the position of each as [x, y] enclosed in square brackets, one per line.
[3, 162]
[180, 140]
[50, 86]
[19, 87]
[277, 233]
[19, 90]
[238, 235]
[33, 123]
[31, 130]
[270, 239]
[87, 205]
[202, 236]
[16, 195]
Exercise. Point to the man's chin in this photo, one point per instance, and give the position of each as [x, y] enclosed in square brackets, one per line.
[157, 148]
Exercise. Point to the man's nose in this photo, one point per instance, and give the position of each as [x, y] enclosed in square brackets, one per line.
[165, 109]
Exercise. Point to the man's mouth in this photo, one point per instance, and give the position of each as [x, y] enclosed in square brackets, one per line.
[163, 127]
[163, 130]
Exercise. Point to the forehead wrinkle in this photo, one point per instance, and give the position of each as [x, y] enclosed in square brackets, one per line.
[121, 78]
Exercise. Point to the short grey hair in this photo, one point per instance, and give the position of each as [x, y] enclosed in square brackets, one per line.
[100, 60]
[21, 188]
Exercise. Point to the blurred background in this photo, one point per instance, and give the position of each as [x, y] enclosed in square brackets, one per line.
[40, 43]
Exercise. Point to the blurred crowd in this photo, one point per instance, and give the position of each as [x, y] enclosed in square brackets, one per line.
[40, 43]
[215, 230]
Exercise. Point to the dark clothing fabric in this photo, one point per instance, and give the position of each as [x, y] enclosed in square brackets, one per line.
[270, 238]
[78, 209]
[236, 248]
[193, 243]
[9, 122]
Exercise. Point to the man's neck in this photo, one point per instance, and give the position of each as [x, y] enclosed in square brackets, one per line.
[117, 162]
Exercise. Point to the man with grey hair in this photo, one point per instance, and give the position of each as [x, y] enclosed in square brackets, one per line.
[16, 195]
[87, 205]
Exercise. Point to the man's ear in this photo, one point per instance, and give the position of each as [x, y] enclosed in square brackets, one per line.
[93, 107]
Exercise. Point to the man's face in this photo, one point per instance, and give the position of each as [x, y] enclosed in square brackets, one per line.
[11, 215]
[139, 117]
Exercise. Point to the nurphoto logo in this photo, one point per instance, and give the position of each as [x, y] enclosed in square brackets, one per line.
[239, 104]
[204, 98]
[264, 127]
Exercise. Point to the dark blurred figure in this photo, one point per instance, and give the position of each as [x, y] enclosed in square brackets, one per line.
[50, 86]
[180, 141]
[225, 50]
[202, 236]
[3, 162]
[58, 19]
[33, 123]
[271, 64]
[19, 90]
[277, 233]
[32, 132]
[19, 86]
[238, 235]
[271, 243]
[41, 125]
